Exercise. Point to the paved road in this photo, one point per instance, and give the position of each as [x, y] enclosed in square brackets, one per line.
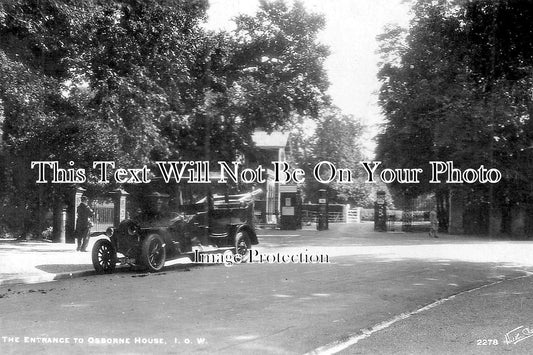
[496, 319]
[372, 297]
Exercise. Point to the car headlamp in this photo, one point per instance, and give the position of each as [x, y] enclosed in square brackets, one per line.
[132, 229]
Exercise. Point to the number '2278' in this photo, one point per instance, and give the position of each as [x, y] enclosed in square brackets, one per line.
[487, 342]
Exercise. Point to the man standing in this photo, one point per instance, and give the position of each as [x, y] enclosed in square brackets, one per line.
[83, 224]
[434, 223]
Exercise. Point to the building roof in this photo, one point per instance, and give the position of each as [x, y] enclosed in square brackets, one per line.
[274, 140]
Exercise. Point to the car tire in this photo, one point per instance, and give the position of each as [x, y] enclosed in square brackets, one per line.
[104, 256]
[243, 244]
[153, 253]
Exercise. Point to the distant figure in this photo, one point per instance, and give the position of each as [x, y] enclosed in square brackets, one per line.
[434, 224]
[83, 224]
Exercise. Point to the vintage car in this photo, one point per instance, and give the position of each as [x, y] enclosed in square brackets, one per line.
[223, 222]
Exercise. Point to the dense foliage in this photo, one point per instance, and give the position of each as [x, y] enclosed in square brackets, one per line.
[136, 81]
[335, 138]
[457, 86]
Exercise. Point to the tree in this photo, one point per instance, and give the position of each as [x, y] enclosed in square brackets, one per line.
[138, 81]
[155, 96]
[457, 89]
[335, 138]
[267, 71]
[53, 113]
[34, 63]
[138, 58]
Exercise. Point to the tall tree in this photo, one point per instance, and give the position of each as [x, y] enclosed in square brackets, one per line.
[136, 81]
[335, 138]
[40, 122]
[457, 89]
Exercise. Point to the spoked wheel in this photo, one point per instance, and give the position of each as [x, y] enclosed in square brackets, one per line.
[242, 245]
[104, 256]
[154, 253]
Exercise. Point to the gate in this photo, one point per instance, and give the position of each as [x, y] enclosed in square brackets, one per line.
[104, 213]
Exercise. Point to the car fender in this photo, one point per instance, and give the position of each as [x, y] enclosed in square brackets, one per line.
[94, 237]
[162, 232]
[250, 231]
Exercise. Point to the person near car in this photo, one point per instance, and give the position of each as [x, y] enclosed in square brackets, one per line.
[83, 224]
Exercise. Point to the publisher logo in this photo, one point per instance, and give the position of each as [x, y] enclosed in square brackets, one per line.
[517, 335]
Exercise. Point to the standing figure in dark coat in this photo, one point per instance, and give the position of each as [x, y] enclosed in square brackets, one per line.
[434, 227]
[83, 224]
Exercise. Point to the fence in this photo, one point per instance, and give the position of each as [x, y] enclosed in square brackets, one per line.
[312, 217]
[336, 214]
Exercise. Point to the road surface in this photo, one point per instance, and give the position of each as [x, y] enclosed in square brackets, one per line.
[378, 293]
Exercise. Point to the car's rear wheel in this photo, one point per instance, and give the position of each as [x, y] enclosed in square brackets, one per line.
[104, 256]
[243, 244]
[153, 253]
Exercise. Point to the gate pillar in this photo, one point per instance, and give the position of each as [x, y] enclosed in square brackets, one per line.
[119, 199]
[457, 205]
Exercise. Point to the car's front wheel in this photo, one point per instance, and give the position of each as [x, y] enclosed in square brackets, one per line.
[153, 253]
[104, 256]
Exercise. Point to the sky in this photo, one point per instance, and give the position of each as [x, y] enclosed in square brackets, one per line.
[350, 33]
